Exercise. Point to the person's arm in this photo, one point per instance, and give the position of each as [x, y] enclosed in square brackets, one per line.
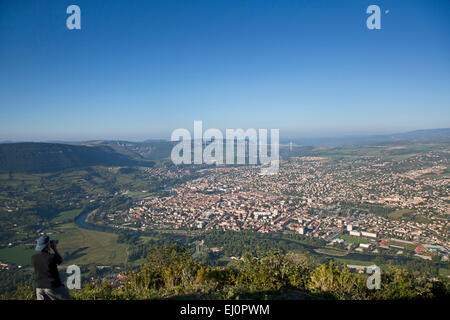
[58, 258]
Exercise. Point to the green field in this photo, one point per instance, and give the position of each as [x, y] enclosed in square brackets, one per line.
[66, 216]
[398, 214]
[79, 246]
[331, 252]
[20, 255]
[409, 215]
[353, 262]
[84, 247]
[406, 246]
[353, 239]
[139, 194]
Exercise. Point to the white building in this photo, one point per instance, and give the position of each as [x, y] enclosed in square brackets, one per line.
[368, 234]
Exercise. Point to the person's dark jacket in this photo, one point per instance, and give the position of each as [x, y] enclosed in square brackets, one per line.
[46, 270]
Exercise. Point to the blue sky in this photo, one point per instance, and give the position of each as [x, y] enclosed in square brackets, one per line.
[140, 69]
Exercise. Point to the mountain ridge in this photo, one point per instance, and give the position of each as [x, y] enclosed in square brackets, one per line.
[38, 157]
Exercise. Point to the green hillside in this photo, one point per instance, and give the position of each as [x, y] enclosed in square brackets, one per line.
[51, 157]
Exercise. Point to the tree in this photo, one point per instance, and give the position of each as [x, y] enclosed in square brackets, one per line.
[335, 282]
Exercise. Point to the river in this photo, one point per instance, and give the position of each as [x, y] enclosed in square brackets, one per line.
[82, 223]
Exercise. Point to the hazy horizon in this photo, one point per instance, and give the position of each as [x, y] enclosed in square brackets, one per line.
[167, 138]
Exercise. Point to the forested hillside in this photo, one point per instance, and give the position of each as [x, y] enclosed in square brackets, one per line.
[51, 157]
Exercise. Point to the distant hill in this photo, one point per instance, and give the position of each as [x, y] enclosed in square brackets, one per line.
[430, 135]
[425, 135]
[49, 157]
[148, 150]
[33, 157]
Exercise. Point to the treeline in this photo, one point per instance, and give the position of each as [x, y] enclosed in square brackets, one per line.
[171, 272]
[12, 281]
[232, 243]
[235, 243]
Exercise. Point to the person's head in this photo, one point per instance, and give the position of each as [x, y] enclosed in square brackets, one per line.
[43, 243]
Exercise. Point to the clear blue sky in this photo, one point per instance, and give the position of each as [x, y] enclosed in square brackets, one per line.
[139, 69]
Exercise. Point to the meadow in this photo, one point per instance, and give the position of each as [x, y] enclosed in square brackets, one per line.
[19, 255]
[84, 247]
[353, 239]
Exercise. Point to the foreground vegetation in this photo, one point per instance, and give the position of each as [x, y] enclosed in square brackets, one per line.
[171, 273]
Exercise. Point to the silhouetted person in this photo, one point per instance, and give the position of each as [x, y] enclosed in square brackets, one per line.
[48, 283]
